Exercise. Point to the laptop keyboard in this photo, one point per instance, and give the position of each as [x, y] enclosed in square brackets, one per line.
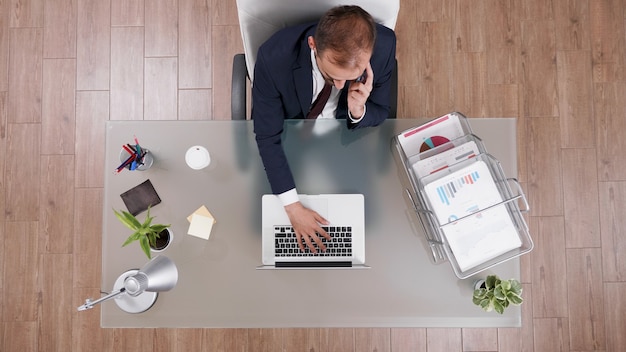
[340, 244]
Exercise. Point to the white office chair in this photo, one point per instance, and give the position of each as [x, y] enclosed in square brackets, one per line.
[258, 20]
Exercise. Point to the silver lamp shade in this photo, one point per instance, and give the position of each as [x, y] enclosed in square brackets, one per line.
[159, 274]
[135, 291]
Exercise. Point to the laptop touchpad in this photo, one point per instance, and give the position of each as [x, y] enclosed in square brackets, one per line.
[320, 205]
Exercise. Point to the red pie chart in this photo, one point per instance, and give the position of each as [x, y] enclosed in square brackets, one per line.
[434, 141]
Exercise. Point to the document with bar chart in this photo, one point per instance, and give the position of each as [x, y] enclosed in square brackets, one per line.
[484, 235]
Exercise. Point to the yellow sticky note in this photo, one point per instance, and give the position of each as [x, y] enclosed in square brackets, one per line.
[201, 223]
[201, 211]
[201, 226]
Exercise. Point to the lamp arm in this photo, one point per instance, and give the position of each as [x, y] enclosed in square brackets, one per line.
[89, 303]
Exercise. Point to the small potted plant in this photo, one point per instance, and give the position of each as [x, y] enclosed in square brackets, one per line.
[155, 236]
[496, 294]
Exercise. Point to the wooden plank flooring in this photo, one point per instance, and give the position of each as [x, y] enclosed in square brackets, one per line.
[67, 66]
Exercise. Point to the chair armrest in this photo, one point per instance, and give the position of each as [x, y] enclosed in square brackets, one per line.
[238, 88]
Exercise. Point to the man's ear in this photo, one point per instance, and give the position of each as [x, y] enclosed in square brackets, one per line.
[311, 42]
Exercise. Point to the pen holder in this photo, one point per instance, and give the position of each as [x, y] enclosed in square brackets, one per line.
[141, 164]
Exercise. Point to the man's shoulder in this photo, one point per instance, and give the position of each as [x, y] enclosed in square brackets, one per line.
[385, 34]
[286, 41]
[296, 31]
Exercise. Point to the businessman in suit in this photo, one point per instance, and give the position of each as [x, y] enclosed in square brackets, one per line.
[339, 68]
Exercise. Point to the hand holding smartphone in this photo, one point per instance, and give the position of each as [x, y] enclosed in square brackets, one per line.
[362, 78]
[359, 91]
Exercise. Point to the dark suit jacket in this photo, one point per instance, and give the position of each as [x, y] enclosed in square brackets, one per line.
[283, 89]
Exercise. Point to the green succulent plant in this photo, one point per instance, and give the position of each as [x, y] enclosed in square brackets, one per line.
[498, 294]
[146, 233]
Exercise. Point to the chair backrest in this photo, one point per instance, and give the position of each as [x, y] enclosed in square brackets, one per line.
[259, 19]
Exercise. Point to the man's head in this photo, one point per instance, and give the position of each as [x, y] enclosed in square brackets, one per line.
[343, 43]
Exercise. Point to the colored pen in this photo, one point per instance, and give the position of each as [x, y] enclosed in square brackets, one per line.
[137, 145]
[126, 162]
[128, 150]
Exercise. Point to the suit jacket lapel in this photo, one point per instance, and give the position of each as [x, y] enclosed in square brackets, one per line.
[303, 78]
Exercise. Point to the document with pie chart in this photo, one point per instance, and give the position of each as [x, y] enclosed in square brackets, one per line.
[430, 135]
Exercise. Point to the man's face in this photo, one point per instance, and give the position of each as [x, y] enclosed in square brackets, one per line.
[335, 74]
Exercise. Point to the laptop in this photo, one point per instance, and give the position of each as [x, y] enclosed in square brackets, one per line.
[346, 215]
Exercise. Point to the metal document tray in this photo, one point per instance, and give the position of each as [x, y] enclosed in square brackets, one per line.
[511, 196]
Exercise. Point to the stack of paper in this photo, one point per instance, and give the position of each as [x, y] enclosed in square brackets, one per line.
[486, 234]
[201, 223]
[464, 193]
[428, 136]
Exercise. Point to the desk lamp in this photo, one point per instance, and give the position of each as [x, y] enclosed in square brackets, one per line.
[135, 291]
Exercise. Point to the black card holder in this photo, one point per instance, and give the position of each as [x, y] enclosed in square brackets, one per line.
[140, 197]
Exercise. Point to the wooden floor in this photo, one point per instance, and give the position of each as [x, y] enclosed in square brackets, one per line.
[66, 66]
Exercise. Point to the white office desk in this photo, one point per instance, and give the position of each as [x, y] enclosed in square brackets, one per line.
[218, 284]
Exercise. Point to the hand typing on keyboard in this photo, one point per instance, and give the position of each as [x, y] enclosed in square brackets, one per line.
[307, 225]
[286, 244]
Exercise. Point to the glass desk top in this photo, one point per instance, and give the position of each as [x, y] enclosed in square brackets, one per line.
[219, 285]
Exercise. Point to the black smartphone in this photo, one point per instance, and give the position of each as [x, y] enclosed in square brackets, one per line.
[362, 78]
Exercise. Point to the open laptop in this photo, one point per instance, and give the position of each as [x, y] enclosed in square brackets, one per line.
[346, 214]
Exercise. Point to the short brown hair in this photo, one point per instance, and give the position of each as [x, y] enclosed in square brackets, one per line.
[347, 31]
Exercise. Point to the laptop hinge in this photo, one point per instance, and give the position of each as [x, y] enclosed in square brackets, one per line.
[336, 264]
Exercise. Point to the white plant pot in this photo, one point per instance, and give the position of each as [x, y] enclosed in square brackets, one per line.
[478, 283]
[169, 242]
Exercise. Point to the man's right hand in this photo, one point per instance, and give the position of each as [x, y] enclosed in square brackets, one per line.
[307, 225]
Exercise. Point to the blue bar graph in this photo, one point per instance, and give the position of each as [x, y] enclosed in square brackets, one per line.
[447, 191]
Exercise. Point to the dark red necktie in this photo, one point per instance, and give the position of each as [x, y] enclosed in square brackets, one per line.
[320, 102]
